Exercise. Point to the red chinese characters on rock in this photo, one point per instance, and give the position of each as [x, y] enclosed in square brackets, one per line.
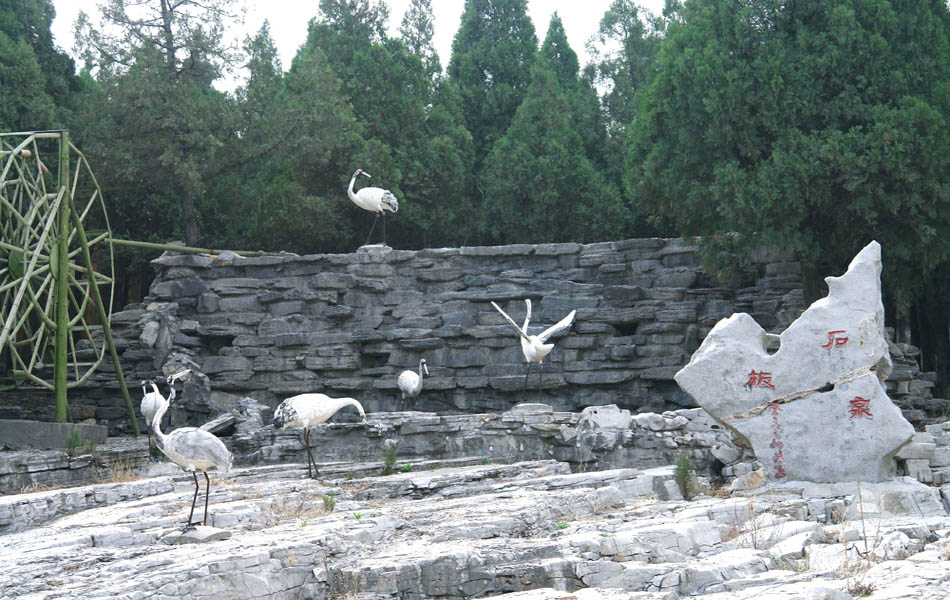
[835, 339]
[859, 409]
[759, 379]
[778, 457]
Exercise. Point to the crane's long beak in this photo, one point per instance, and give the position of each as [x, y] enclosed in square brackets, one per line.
[365, 173]
[179, 375]
[425, 368]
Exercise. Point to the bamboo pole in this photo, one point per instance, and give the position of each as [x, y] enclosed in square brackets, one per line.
[189, 249]
[101, 310]
[62, 286]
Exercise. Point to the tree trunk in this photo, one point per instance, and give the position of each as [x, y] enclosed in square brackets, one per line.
[189, 219]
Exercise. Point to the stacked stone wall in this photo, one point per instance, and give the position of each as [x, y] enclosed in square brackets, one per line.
[347, 324]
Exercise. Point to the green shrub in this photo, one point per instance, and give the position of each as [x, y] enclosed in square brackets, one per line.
[685, 476]
[73, 442]
[389, 457]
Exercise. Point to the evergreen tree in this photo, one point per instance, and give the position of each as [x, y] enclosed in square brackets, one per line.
[297, 136]
[586, 117]
[155, 123]
[813, 127]
[38, 83]
[412, 147]
[491, 59]
[538, 187]
[623, 51]
[24, 103]
[416, 31]
[441, 207]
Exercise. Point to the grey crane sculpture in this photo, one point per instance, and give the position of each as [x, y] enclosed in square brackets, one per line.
[192, 449]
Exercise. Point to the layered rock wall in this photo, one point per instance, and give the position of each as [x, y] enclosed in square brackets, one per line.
[347, 324]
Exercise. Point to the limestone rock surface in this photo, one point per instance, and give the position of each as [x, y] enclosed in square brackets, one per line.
[809, 401]
[525, 531]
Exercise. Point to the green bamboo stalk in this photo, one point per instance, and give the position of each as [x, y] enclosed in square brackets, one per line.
[62, 285]
[188, 249]
[103, 318]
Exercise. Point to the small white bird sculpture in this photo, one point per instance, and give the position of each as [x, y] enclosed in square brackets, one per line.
[533, 346]
[410, 382]
[373, 199]
[308, 410]
[150, 403]
[192, 449]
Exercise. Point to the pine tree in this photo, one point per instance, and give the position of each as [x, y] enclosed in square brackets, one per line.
[813, 127]
[39, 88]
[155, 119]
[491, 60]
[586, 117]
[538, 187]
[416, 31]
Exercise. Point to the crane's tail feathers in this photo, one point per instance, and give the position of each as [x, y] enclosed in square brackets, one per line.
[389, 202]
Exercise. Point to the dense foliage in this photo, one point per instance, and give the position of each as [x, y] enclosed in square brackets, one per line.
[807, 126]
[811, 127]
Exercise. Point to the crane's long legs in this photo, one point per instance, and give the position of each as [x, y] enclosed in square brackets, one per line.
[194, 499]
[372, 228]
[306, 443]
[207, 493]
[384, 226]
[310, 460]
[540, 376]
[527, 370]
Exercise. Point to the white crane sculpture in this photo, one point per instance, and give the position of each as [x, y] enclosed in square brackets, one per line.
[308, 410]
[534, 347]
[191, 448]
[410, 382]
[373, 199]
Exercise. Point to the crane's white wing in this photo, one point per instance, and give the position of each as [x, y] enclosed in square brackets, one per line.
[557, 327]
[509, 319]
[527, 315]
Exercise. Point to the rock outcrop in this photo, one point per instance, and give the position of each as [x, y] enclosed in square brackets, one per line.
[525, 531]
[809, 401]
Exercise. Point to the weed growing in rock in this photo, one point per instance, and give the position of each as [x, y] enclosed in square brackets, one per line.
[121, 471]
[854, 573]
[73, 442]
[357, 516]
[303, 523]
[34, 487]
[406, 468]
[562, 524]
[329, 502]
[685, 476]
[389, 457]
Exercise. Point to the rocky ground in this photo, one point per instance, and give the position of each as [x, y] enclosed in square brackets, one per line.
[464, 528]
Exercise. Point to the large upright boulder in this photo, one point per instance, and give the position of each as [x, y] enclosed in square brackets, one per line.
[811, 401]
